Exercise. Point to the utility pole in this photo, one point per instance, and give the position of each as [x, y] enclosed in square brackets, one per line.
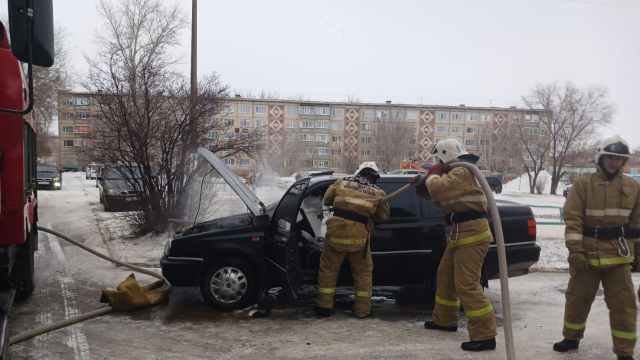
[194, 48]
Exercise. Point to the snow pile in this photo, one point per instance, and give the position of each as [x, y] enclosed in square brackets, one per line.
[521, 184]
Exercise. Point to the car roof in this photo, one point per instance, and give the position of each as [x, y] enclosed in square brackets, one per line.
[386, 178]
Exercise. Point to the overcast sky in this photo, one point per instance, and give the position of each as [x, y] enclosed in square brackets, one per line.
[410, 51]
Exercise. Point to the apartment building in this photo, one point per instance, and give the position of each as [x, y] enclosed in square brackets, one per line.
[313, 135]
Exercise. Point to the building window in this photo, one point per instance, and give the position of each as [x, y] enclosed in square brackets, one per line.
[245, 123]
[336, 139]
[320, 163]
[442, 116]
[292, 110]
[472, 130]
[454, 129]
[365, 126]
[244, 162]
[365, 154]
[339, 113]
[322, 124]
[67, 129]
[68, 143]
[442, 129]
[412, 115]
[306, 137]
[381, 114]
[291, 124]
[471, 142]
[83, 115]
[244, 108]
[307, 124]
[228, 122]
[261, 109]
[322, 138]
[211, 134]
[324, 151]
[228, 109]
[260, 123]
[366, 139]
[230, 161]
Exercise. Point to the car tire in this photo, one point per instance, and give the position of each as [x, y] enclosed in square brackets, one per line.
[229, 284]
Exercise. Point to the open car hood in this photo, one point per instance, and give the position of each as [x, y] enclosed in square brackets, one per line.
[253, 203]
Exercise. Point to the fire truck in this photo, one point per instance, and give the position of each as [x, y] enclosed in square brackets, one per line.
[26, 40]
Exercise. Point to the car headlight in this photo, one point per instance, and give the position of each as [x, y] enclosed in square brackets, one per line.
[56, 184]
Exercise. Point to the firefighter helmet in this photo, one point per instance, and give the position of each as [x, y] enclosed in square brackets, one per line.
[449, 150]
[613, 146]
[368, 168]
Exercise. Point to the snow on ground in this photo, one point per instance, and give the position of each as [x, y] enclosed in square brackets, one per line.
[550, 226]
[521, 184]
[147, 250]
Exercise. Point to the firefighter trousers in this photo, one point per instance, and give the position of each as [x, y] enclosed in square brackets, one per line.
[458, 281]
[619, 295]
[361, 270]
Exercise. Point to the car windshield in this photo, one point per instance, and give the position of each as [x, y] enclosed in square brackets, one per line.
[47, 173]
[121, 173]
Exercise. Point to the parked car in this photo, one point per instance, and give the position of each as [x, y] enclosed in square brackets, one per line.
[119, 188]
[495, 182]
[49, 177]
[235, 258]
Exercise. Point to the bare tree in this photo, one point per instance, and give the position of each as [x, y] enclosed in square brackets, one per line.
[48, 81]
[573, 115]
[148, 120]
[533, 147]
[391, 141]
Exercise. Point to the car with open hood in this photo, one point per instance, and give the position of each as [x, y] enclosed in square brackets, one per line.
[234, 259]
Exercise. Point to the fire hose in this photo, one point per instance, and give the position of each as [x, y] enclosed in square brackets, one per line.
[502, 255]
[128, 296]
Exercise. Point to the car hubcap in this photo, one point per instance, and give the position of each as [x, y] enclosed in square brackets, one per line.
[228, 284]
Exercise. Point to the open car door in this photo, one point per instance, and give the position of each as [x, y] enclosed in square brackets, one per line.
[282, 251]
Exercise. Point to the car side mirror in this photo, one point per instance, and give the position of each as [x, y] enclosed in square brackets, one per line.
[33, 17]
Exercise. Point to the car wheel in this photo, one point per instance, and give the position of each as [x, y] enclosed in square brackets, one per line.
[229, 284]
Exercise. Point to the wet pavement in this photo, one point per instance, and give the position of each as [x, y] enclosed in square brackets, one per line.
[69, 282]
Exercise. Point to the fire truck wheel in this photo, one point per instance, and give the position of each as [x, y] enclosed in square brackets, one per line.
[23, 270]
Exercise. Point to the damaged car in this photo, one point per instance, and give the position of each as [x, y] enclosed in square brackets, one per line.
[235, 259]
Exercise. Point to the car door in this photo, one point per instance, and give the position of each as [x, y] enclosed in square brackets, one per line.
[401, 248]
[282, 248]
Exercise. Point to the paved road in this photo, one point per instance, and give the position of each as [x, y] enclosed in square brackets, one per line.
[68, 283]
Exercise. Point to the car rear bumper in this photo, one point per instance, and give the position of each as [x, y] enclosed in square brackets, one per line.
[520, 257]
[181, 271]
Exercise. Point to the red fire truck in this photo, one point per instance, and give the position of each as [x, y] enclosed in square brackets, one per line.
[30, 43]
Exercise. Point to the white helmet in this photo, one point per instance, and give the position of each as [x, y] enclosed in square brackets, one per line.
[614, 146]
[370, 166]
[449, 150]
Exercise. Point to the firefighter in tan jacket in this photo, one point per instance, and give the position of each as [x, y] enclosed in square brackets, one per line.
[458, 280]
[357, 202]
[602, 215]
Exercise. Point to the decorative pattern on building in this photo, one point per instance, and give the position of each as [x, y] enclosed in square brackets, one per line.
[426, 133]
[276, 131]
[499, 124]
[351, 133]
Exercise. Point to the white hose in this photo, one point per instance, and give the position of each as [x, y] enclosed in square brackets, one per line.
[502, 256]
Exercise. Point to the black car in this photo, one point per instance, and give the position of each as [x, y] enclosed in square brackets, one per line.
[119, 188]
[234, 259]
[48, 177]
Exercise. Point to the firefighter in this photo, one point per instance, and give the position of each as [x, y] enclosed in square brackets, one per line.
[458, 279]
[357, 202]
[602, 219]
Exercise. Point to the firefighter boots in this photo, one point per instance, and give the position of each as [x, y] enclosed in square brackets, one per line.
[566, 345]
[433, 326]
[480, 345]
